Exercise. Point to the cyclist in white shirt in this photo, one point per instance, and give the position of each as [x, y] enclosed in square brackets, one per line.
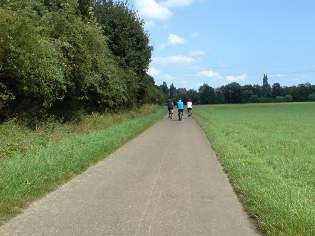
[189, 107]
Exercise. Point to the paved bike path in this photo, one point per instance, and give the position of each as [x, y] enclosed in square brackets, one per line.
[167, 181]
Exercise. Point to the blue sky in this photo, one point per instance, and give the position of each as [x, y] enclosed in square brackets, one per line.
[222, 41]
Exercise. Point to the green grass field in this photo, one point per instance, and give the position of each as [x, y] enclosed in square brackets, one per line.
[268, 152]
[35, 162]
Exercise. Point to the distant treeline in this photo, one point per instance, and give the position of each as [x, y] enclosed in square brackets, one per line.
[58, 57]
[235, 93]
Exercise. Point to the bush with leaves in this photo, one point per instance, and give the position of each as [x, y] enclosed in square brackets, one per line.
[30, 68]
[311, 97]
[129, 44]
[126, 36]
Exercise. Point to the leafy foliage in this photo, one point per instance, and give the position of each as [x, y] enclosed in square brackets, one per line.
[67, 56]
[235, 93]
[30, 66]
[126, 37]
[206, 94]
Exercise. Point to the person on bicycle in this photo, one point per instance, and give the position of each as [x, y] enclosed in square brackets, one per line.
[170, 106]
[189, 107]
[180, 107]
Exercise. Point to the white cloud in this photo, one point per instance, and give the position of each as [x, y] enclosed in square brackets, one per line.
[159, 77]
[198, 53]
[152, 9]
[177, 3]
[231, 78]
[167, 77]
[194, 35]
[149, 24]
[209, 74]
[174, 40]
[183, 83]
[153, 72]
[276, 75]
[173, 60]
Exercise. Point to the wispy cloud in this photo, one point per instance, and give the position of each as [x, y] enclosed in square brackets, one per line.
[209, 74]
[175, 40]
[173, 60]
[160, 76]
[149, 24]
[152, 9]
[167, 77]
[177, 3]
[153, 72]
[276, 75]
[198, 53]
[194, 35]
[231, 78]
[172, 41]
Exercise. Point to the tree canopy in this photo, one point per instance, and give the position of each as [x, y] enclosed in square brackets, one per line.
[72, 55]
[234, 93]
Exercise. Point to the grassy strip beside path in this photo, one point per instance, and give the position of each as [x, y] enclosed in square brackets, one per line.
[268, 152]
[25, 177]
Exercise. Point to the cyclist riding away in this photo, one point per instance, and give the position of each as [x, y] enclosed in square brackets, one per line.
[189, 107]
[170, 106]
[180, 107]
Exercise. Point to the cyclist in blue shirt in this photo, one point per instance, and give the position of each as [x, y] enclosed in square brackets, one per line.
[180, 107]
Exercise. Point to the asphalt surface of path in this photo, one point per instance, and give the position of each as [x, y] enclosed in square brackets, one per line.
[167, 181]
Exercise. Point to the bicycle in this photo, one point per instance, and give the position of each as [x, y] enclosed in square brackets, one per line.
[189, 107]
[180, 115]
[189, 112]
[170, 114]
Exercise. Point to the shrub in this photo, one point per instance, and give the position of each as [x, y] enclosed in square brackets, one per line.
[311, 97]
[288, 98]
[254, 99]
[279, 99]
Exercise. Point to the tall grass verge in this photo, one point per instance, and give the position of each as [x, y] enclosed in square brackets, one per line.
[25, 175]
[268, 152]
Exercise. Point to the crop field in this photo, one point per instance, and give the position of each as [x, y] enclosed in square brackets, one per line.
[268, 153]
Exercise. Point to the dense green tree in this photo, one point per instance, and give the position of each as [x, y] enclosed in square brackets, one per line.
[302, 91]
[247, 92]
[266, 89]
[288, 98]
[232, 93]
[128, 42]
[257, 90]
[165, 89]
[311, 97]
[279, 99]
[254, 99]
[31, 72]
[206, 94]
[172, 90]
[193, 95]
[276, 90]
[86, 10]
[83, 46]
[55, 57]
[219, 96]
[180, 93]
[149, 92]
[126, 36]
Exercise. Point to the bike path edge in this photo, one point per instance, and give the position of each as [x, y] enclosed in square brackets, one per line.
[166, 181]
